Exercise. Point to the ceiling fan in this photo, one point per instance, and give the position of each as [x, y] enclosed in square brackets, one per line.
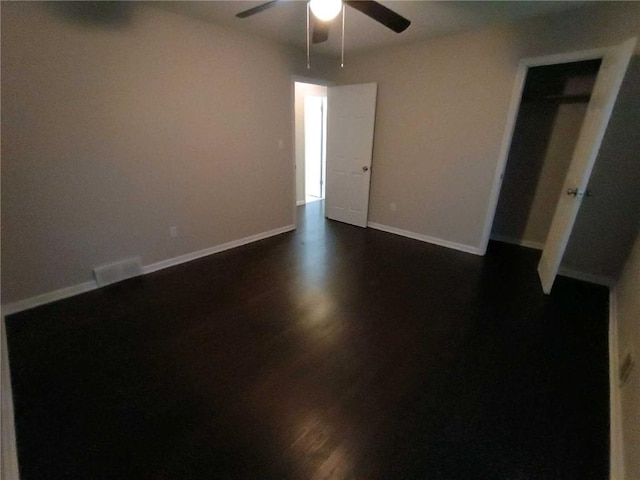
[326, 10]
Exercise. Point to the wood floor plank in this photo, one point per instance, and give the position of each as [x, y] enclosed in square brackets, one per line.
[331, 352]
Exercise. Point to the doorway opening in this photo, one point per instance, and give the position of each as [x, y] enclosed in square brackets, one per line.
[610, 74]
[315, 121]
[310, 141]
[552, 110]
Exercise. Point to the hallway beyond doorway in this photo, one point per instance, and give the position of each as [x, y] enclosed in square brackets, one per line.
[310, 141]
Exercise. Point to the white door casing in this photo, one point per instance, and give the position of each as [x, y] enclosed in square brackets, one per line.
[612, 70]
[350, 124]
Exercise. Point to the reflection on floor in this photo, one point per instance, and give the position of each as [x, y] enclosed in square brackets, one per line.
[310, 199]
[332, 352]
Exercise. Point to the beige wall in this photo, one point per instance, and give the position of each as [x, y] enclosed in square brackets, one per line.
[628, 316]
[303, 90]
[441, 114]
[112, 134]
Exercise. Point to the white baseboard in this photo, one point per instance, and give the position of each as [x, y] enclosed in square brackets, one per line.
[517, 241]
[154, 267]
[424, 238]
[49, 297]
[616, 453]
[9, 466]
[587, 277]
[300, 202]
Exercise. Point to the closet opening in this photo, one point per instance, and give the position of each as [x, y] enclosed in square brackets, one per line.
[552, 109]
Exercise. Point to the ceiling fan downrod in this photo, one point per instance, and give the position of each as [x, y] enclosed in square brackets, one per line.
[308, 60]
[329, 9]
[344, 12]
[342, 55]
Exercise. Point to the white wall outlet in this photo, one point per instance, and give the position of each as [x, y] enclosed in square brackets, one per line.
[173, 232]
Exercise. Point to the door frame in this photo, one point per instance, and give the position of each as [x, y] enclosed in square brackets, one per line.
[512, 115]
[605, 93]
[299, 79]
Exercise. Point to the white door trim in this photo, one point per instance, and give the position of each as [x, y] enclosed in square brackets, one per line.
[512, 115]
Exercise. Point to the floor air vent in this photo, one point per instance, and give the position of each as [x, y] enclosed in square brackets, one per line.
[116, 272]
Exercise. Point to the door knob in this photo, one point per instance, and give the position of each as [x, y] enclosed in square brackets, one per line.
[365, 169]
[579, 193]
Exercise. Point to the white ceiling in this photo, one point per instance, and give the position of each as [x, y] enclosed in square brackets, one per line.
[286, 22]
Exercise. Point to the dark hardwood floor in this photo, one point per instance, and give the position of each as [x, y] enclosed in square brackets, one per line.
[330, 353]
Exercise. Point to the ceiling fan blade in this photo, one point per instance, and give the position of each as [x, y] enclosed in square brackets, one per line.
[381, 14]
[320, 31]
[258, 9]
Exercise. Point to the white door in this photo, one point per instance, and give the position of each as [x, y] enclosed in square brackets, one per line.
[351, 112]
[612, 70]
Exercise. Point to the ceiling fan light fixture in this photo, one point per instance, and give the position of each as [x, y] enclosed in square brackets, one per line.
[325, 10]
